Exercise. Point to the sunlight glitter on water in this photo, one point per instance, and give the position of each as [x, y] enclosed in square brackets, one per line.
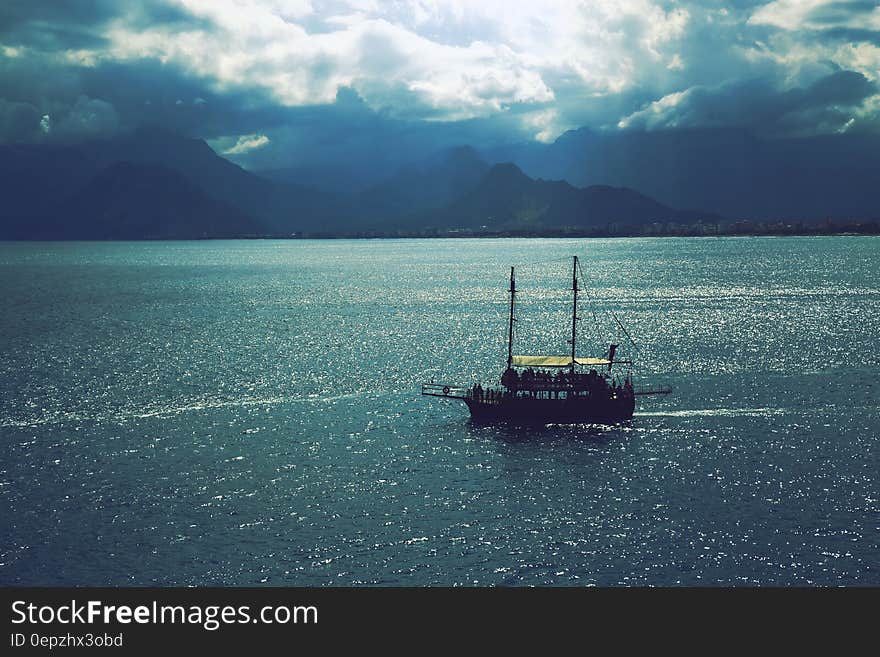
[248, 413]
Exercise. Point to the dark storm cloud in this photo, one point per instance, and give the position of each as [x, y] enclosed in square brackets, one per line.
[50, 26]
[19, 122]
[38, 78]
[836, 13]
[348, 135]
[841, 88]
[86, 118]
[842, 22]
[142, 90]
[847, 35]
[759, 106]
[56, 85]
[79, 24]
[147, 91]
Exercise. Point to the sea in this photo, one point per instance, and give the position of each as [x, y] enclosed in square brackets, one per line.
[238, 413]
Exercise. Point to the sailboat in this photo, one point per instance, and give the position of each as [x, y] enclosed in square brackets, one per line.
[552, 389]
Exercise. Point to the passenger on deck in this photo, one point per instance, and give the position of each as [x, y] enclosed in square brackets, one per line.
[510, 379]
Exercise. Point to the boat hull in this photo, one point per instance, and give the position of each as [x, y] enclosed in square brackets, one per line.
[527, 410]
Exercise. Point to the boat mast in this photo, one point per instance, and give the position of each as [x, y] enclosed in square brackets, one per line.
[574, 308]
[510, 329]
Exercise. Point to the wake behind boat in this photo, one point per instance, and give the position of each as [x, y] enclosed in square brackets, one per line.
[552, 389]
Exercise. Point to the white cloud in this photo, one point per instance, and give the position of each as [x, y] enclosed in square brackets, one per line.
[803, 59]
[660, 113]
[816, 14]
[547, 66]
[544, 124]
[787, 14]
[444, 60]
[247, 143]
[82, 57]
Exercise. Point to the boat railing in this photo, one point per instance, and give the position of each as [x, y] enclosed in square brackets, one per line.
[497, 396]
[564, 385]
[654, 390]
[445, 390]
[489, 396]
[475, 393]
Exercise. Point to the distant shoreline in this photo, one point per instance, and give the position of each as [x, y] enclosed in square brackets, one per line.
[872, 228]
[420, 237]
[742, 229]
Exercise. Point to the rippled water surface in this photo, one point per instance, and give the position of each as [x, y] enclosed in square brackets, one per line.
[237, 413]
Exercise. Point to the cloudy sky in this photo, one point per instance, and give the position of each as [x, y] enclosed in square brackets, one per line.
[267, 81]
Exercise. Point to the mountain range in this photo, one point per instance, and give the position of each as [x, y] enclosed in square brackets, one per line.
[727, 171]
[145, 201]
[506, 198]
[153, 184]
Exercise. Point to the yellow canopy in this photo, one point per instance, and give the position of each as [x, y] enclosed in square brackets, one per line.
[555, 361]
[593, 361]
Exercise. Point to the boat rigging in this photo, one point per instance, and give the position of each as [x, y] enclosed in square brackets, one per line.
[552, 389]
